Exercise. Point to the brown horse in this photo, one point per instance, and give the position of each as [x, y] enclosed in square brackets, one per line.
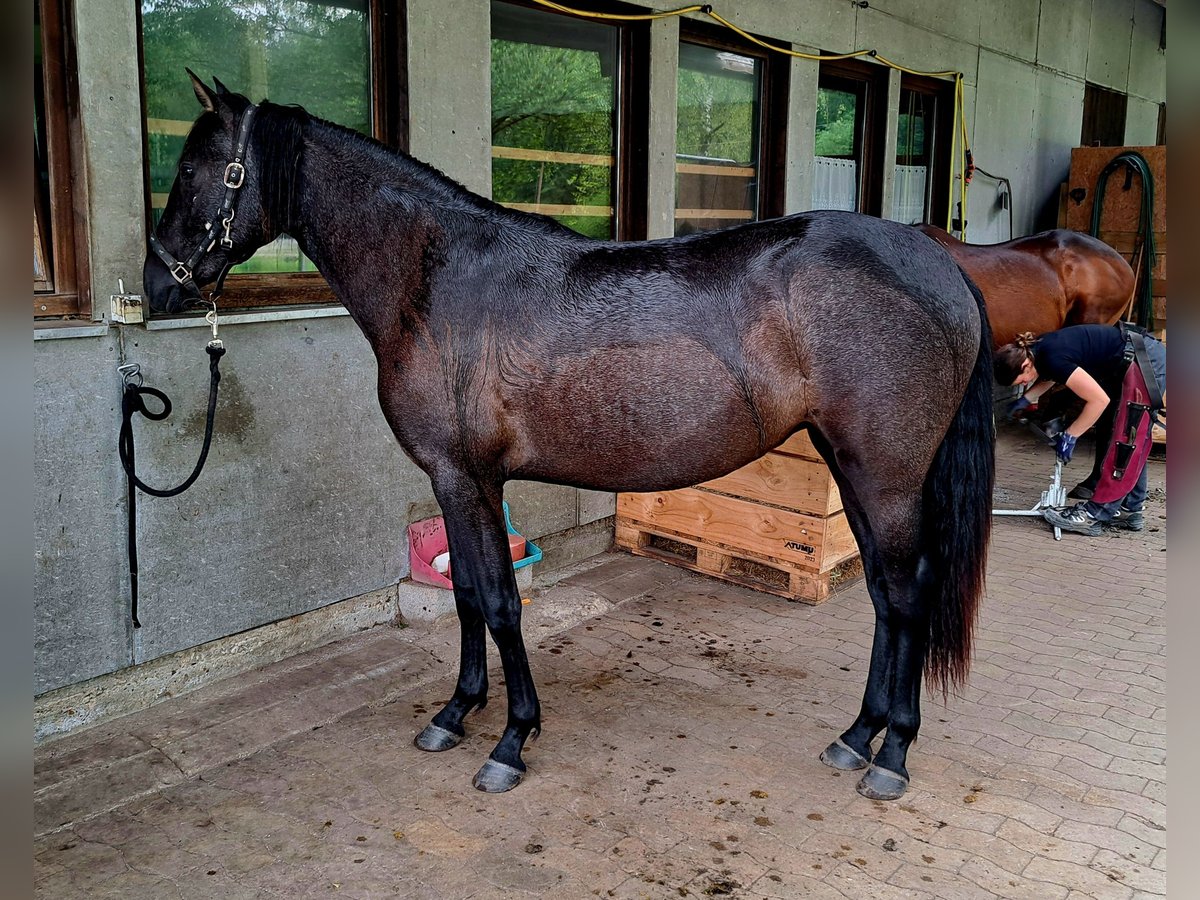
[510, 347]
[1045, 281]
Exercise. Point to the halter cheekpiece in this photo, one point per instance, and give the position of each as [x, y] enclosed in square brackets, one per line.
[233, 179]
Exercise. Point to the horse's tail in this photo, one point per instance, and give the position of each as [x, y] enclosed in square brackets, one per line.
[958, 518]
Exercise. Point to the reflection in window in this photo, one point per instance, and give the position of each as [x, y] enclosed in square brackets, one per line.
[838, 147]
[914, 139]
[717, 138]
[313, 53]
[554, 115]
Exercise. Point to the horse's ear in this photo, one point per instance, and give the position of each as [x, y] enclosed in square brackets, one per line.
[206, 97]
[221, 89]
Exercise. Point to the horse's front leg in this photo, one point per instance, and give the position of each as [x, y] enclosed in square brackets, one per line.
[446, 730]
[485, 593]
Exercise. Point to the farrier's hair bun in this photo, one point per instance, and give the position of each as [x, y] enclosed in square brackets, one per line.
[1025, 340]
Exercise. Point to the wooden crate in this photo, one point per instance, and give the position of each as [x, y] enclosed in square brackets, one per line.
[793, 482]
[776, 524]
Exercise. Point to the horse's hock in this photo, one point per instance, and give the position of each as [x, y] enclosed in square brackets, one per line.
[776, 525]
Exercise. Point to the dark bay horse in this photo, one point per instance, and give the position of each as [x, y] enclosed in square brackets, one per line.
[1045, 281]
[511, 347]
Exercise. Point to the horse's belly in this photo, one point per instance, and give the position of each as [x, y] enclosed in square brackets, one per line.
[641, 419]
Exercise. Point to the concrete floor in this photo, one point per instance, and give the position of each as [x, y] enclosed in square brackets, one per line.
[683, 720]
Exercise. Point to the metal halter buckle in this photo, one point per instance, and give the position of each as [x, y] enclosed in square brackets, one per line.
[235, 175]
[181, 273]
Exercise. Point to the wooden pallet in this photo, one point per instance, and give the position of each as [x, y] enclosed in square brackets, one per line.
[741, 567]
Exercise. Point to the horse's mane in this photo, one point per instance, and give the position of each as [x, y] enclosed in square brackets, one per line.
[280, 131]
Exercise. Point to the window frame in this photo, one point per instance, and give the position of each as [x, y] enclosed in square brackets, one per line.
[631, 135]
[386, 42]
[66, 245]
[1105, 115]
[938, 190]
[771, 139]
[868, 82]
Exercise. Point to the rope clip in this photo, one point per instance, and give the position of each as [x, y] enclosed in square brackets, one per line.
[211, 318]
[129, 372]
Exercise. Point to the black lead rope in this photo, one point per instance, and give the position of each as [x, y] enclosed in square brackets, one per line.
[132, 402]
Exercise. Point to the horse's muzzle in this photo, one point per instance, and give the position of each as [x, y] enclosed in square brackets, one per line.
[163, 292]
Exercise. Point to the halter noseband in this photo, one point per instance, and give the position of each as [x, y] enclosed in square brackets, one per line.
[233, 179]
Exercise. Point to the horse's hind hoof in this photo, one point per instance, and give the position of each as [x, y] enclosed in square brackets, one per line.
[497, 777]
[435, 738]
[840, 755]
[882, 784]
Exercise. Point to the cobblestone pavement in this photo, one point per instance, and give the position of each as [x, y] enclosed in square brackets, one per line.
[683, 721]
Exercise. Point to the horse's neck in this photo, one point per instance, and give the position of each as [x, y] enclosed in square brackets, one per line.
[369, 220]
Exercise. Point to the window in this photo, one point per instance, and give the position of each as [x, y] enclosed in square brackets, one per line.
[564, 140]
[59, 255]
[923, 133]
[1103, 117]
[728, 143]
[850, 121]
[316, 53]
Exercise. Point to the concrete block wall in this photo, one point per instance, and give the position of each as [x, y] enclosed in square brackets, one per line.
[306, 495]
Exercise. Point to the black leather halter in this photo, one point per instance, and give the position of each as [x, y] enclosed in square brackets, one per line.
[233, 179]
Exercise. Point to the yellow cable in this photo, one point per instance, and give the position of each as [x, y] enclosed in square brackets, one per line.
[708, 11]
[953, 156]
[716, 18]
[621, 18]
[959, 111]
[949, 73]
[958, 89]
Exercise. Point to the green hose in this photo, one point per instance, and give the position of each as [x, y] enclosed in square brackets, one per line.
[1144, 290]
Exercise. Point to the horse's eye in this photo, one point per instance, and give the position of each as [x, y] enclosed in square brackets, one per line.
[187, 170]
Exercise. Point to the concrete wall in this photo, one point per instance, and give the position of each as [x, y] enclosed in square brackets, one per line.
[306, 495]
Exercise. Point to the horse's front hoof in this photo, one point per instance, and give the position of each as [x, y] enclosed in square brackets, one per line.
[497, 777]
[435, 738]
[840, 755]
[882, 784]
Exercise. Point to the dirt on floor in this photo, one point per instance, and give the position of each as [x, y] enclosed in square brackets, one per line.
[683, 718]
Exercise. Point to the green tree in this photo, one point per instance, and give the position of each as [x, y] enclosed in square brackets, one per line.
[557, 99]
[835, 123]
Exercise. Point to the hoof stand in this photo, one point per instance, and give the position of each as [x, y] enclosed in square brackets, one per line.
[497, 777]
[435, 739]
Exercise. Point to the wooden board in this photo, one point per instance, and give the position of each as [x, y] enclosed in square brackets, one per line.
[1121, 207]
[779, 479]
[727, 523]
[799, 444]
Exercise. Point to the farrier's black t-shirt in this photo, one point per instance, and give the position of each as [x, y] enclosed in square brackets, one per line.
[1097, 349]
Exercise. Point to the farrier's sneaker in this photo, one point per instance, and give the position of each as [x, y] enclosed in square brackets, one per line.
[1127, 519]
[1074, 518]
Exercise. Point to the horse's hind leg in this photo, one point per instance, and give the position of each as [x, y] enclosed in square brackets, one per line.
[852, 750]
[903, 621]
[909, 580]
[885, 519]
[485, 592]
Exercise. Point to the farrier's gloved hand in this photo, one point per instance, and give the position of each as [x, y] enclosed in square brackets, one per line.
[1065, 446]
[1018, 406]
